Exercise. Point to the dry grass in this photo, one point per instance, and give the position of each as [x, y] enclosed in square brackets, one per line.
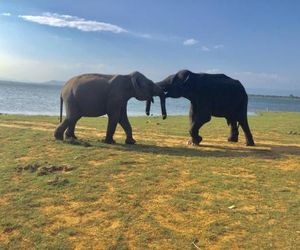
[159, 194]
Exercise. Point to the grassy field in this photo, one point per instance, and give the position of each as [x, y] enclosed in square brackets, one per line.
[158, 194]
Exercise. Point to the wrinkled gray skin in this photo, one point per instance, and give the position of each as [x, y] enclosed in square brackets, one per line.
[92, 95]
[210, 95]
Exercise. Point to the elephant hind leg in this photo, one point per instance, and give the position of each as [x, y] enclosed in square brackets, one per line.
[234, 132]
[73, 114]
[70, 133]
[59, 131]
[245, 126]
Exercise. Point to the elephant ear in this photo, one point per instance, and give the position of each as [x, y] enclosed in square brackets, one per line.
[187, 78]
[173, 79]
[181, 77]
[184, 76]
[141, 87]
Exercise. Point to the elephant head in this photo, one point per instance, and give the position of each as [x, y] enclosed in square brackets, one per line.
[174, 85]
[145, 89]
[177, 85]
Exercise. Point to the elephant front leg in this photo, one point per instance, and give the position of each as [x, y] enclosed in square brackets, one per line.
[197, 119]
[124, 122]
[194, 133]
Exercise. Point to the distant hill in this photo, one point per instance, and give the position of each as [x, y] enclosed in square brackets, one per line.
[51, 82]
[54, 82]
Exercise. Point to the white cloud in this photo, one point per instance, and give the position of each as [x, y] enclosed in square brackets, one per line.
[204, 48]
[148, 36]
[5, 14]
[260, 79]
[57, 20]
[219, 46]
[68, 21]
[258, 75]
[190, 42]
[212, 71]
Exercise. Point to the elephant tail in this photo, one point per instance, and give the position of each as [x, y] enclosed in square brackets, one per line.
[61, 109]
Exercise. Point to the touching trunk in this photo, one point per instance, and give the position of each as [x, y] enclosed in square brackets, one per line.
[158, 92]
[148, 106]
[163, 105]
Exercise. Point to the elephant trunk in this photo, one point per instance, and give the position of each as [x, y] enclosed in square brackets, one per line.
[163, 106]
[162, 84]
[148, 106]
[158, 92]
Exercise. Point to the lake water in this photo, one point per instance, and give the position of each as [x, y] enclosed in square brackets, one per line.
[34, 99]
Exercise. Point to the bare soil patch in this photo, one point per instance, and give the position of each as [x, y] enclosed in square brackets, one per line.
[43, 169]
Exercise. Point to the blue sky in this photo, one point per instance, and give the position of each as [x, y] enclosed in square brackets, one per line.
[256, 42]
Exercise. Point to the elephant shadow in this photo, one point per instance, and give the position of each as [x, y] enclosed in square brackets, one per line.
[204, 150]
[284, 149]
[262, 151]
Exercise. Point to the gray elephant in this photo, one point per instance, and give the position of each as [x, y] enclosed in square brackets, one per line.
[210, 95]
[92, 95]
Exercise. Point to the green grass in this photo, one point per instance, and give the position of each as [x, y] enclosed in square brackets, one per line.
[158, 194]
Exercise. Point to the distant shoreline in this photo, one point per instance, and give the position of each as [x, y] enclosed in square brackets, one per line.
[250, 113]
[57, 83]
[276, 96]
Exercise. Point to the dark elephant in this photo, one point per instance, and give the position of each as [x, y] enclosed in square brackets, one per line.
[210, 95]
[93, 95]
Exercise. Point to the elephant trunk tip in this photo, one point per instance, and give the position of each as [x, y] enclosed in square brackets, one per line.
[163, 106]
[148, 105]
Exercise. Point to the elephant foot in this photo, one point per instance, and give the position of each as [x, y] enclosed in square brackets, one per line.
[130, 141]
[190, 142]
[70, 137]
[233, 138]
[108, 141]
[71, 140]
[250, 143]
[195, 141]
[58, 136]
